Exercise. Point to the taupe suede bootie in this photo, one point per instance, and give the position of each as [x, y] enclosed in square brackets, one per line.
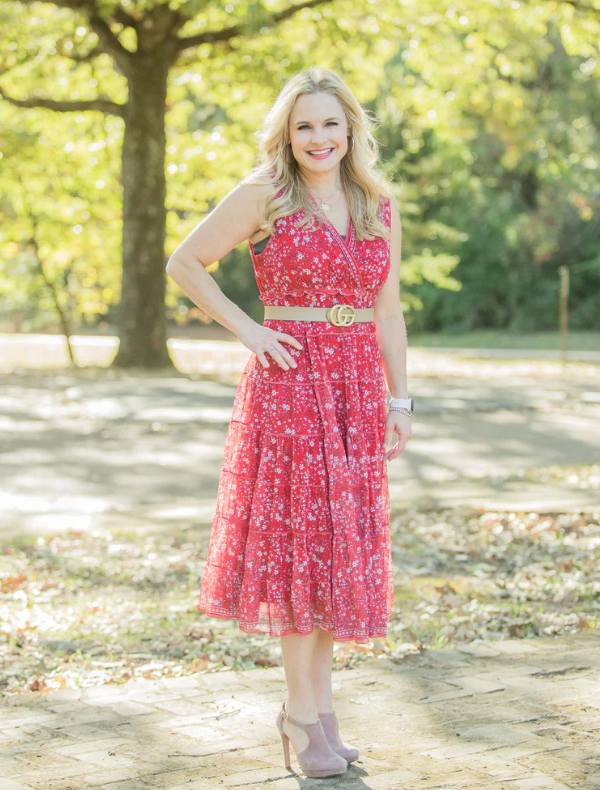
[332, 733]
[318, 759]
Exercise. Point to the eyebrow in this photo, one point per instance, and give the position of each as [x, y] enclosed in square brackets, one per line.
[333, 118]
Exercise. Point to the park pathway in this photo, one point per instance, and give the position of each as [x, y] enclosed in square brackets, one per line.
[143, 453]
[96, 449]
[509, 715]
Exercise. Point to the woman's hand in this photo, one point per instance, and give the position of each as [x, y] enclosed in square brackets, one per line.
[259, 338]
[396, 422]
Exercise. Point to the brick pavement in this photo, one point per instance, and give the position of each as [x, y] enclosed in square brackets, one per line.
[510, 715]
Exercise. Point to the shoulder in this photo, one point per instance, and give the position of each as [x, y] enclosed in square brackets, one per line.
[254, 196]
[256, 192]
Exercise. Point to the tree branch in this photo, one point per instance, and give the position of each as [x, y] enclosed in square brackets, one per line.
[51, 286]
[84, 57]
[103, 105]
[109, 41]
[213, 36]
[88, 7]
[123, 18]
[581, 6]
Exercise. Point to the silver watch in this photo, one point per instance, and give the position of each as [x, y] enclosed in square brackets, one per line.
[402, 403]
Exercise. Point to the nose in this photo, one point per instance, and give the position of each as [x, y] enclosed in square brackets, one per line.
[317, 137]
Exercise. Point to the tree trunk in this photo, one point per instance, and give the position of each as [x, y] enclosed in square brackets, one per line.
[142, 321]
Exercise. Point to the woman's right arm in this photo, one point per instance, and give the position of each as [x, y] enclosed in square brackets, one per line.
[237, 217]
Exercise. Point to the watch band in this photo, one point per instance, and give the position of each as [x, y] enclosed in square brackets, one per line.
[402, 403]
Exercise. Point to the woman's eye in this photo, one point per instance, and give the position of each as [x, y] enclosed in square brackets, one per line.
[304, 125]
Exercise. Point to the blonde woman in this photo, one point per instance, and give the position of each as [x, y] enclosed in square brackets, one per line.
[300, 544]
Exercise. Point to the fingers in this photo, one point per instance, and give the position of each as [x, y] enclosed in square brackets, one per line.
[278, 353]
[404, 433]
[290, 339]
[262, 358]
[283, 358]
[387, 436]
[395, 451]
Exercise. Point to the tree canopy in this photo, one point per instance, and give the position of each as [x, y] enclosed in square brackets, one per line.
[488, 121]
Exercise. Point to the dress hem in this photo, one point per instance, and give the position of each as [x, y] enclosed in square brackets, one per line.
[248, 628]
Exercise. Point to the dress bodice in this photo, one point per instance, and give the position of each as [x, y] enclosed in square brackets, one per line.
[318, 267]
[260, 245]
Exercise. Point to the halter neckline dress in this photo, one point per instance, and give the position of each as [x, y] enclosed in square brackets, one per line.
[300, 535]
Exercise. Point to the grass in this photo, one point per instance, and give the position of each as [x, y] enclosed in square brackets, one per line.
[495, 339]
[85, 608]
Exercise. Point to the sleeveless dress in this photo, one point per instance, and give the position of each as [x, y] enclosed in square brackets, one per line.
[300, 535]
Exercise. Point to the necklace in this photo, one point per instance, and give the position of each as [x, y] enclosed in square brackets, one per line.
[325, 206]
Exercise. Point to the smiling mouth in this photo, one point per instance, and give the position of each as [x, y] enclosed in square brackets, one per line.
[320, 154]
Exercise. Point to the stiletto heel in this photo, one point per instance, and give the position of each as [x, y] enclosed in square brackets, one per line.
[286, 750]
[318, 759]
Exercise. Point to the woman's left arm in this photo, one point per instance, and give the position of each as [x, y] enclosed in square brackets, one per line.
[392, 340]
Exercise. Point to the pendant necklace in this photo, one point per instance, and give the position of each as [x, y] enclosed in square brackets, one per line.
[325, 206]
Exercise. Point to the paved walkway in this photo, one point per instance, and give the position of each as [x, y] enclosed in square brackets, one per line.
[510, 715]
[145, 453]
[82, 452]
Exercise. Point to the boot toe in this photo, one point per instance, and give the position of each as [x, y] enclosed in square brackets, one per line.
[350, 755]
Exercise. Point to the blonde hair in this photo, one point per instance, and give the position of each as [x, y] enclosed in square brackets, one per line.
[362, 182]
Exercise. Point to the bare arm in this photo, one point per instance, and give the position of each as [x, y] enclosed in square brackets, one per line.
[392, 340]
[237, 217]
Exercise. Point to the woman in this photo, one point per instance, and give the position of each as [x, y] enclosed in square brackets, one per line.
[301, 532]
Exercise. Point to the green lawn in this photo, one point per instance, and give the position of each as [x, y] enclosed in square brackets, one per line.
[545, 341]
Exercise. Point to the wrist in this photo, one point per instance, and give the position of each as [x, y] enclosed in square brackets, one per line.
[244, 326]
[405, 405]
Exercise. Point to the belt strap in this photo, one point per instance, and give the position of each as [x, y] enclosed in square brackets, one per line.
[338, 315]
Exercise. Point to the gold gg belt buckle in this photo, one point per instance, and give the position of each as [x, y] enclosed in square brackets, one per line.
[341, 315]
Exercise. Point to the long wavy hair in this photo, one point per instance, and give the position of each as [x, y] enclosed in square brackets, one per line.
[362, 181]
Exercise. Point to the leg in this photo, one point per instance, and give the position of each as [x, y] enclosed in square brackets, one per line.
[298, 651]
[321, 671]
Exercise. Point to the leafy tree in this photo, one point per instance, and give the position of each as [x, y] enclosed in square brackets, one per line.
[144, 43]
[464, 96]
[491, 137]
[55, 253]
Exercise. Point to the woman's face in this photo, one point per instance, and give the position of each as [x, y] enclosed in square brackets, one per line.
[318, 122]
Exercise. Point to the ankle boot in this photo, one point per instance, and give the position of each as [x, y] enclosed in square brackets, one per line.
[332, 733]
[318, 759]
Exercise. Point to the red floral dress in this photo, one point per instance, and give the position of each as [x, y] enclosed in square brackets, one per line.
[301, 531]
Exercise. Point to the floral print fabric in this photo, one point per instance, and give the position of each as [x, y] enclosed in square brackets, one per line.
[300, 536]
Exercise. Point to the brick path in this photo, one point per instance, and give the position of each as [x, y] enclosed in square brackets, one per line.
[514, 715]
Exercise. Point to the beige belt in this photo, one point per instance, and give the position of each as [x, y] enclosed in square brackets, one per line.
[338, 315]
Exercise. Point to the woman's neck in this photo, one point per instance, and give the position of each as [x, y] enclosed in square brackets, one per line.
[327, 186]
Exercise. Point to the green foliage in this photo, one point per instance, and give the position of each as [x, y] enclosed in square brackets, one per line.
[491, 138]
[488, 118]
[61, 189]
